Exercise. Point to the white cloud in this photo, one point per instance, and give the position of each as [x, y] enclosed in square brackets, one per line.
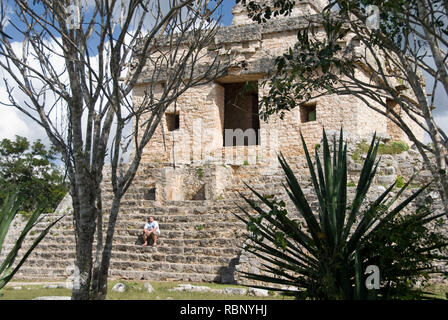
[12, 121]
[11, 124]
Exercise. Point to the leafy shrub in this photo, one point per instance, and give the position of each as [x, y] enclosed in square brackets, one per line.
[324, 257]
[32, 169]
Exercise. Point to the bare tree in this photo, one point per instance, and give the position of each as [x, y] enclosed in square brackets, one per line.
[84, 103]
[392, 44]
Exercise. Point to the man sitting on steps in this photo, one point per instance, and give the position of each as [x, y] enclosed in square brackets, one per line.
[151, 229]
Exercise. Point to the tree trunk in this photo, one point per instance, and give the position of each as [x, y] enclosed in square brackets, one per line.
[84, 243]
[101, 272]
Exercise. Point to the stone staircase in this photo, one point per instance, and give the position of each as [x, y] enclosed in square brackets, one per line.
[200, 239]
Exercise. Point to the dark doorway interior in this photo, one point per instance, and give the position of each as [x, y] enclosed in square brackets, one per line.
[241, 110]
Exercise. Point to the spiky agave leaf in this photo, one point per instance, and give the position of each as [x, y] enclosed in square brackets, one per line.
[324, 260]
[8, 212]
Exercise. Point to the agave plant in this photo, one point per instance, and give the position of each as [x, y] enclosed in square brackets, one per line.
[325, 256]
[8, 212]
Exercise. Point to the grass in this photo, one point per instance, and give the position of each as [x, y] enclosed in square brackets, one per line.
[199, 227]
[135, 291]
[394, 147]
[351, 184]
[438, 291]
[400, 182]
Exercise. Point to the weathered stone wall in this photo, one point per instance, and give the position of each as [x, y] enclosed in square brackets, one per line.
[201, 109]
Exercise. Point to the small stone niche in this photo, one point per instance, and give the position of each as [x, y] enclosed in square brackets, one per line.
[200, 194]
[150, 193]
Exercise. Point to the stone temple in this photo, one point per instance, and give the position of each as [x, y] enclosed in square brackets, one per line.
[191, 173]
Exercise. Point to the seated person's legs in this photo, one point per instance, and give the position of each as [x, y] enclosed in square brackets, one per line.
[145, 237]
[154, 236]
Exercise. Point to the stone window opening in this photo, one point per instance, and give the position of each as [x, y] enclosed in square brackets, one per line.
[172, 121]
[241, 115]
[308, 112]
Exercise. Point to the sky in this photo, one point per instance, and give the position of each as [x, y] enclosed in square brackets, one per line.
[12, 122]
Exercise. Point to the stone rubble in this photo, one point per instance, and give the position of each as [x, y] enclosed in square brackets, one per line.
[226, 291]
[119, 287]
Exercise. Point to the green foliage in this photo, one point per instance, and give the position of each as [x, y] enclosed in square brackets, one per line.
[398, 147]
[407, 247]
[351, 184]
[318, 66]
[400, 182]
[262, 12]
[31, 169]
[305, 69]
[394, 147]
[325, 256]
[199, 227]
[356, 156]
[200, 172]
[8, 211]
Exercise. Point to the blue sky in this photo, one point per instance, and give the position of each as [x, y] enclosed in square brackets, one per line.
[227, 12]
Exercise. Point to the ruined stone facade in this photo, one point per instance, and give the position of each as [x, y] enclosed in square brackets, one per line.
[189, 178]
[195, 130]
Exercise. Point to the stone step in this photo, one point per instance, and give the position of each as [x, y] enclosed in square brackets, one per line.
[36, 273]
[152, 255]
[138, 192]
[224, 247]
[137, 265]
[167, 206]
[137, 254]
[140, 218]
[124, 240]
[167, 223]
[165, 209]
[178, 230]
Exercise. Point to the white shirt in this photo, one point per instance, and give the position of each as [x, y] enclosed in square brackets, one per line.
[152, 225]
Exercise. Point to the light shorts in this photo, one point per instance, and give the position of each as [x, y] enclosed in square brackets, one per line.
[157, 232]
